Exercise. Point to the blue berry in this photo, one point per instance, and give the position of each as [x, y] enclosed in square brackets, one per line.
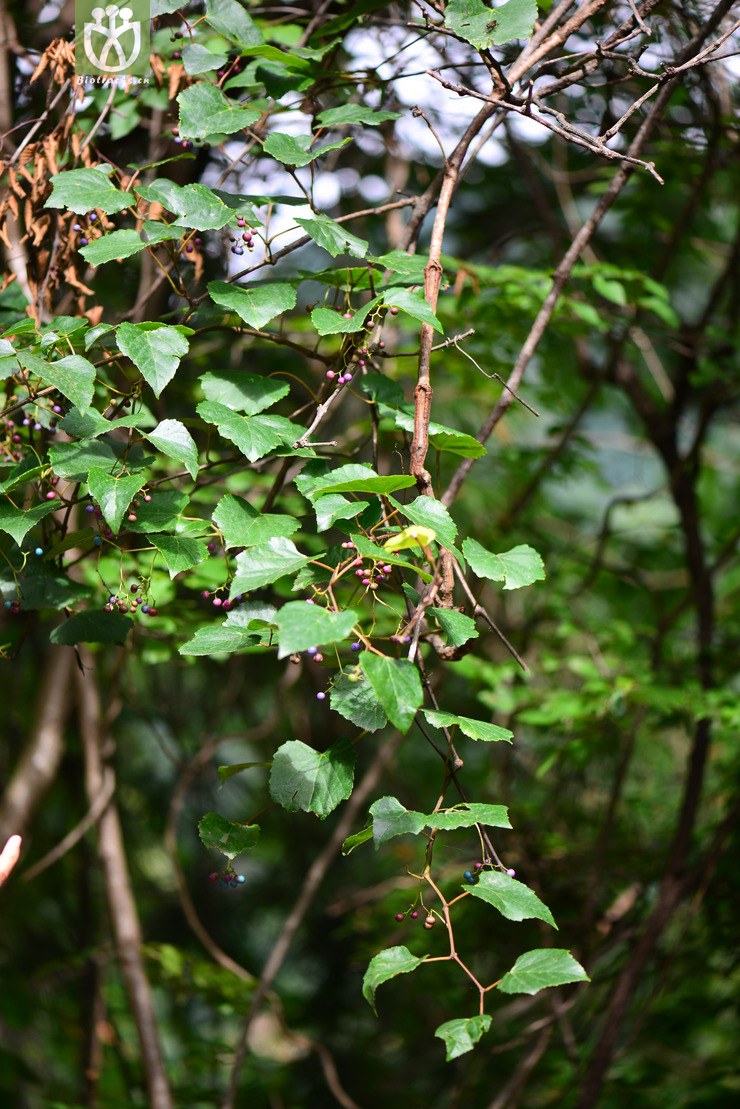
[311, 650]
[39, 551]
[89, 508]
[145, 608]
[240, 879]
[7, 604]
[469, 878]
[83, 240]
[355, 647]
[97, 540]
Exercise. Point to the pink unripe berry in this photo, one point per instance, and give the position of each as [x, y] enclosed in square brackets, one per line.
[51, 495]
[330, 375]
[217, 602]
[511, 872]
[400, 917]
[394, 311]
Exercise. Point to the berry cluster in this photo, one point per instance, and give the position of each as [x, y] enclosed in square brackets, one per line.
[85, 232]
[131, 601]
[429, 920]
[222, 604]
[228, 879]
[247, 237]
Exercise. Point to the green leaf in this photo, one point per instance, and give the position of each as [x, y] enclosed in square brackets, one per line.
[413, 304]
[409, 266]
[255, 304]
[461, 1036]
[397, 686]
[205, 111]
[255, 436]
[244, 392]
[484, 27]
[179, 553]
[515, 568]
[312, 781]
[301, 626]
[243, 526]
[513, 899]
[92, 424]
[199, 59]
[266, 563]
[357, 839]
[227, 836]
[226, 772]
[537, 970]
[474, 729]
[465, 816]
[386, 965]
[217, 639]
[17, 521]
[231, 20]
[329, 322]
[173, 439]
[332, 236]
[114, 493]
[354, 113]
[457, 627]
[154, 350]
[293, 150]
[93, 627]
[44, 587]
[442, 438]
[198, 208]
[162, 513]
[356, 478]
[81, 190]
[118, 244]
[354, 699]
[431, 513]
[73, 376]
[335, 507]
[609, 289]
[74, 460]
[391, 818]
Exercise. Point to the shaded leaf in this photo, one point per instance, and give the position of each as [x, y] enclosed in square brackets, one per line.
[313, 781]
[386, 965]
[397, 686]
[457, 627]
[16, 522]
[217, 639]
[93, 627]
[227, 836]
[355, 699]
[461, 1036]
[114, 493]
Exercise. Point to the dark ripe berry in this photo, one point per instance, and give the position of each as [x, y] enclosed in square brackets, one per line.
[355, 647]
[17, 438]
[414, 915]
[400, 917]
[213, 877]
[394, 311]
[175, 54]
[469, 878]
[321, 696]
[477, 866]
[205, 594]
[152, 610]
[188, 249]
[84, 240]
[97, 540]
[134, 587]
[122, 608]
[429, 922]
[239, 250]
[108, 608]
[197, 241]
[227, 606]
[211, 547]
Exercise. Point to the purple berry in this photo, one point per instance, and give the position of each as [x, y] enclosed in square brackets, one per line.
[355, 647]
[511, 872]
[311, 650]
[321, 696]
[330, 375]
[145, 608]
[217, 602]
[51, 495]
[83, 240]
[400, 917]
[57, 409]
[414, 915]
